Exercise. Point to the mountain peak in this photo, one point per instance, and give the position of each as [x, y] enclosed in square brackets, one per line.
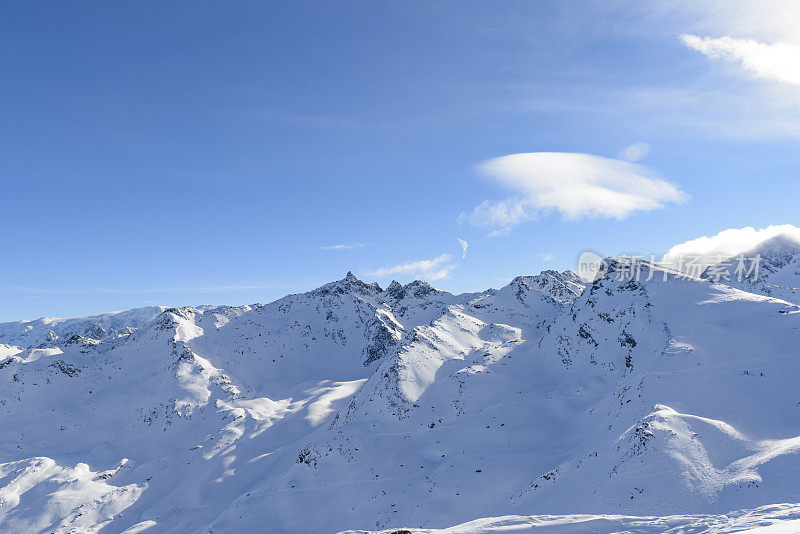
[779, 246]
[394, 288]
[349, 284]
[419, 288]
[772, 268]
[562, 287]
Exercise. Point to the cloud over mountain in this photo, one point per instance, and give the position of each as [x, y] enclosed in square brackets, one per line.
[727, 243]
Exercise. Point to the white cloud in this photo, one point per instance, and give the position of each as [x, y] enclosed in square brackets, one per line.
[635, 152]
[464, 247]
[576, 185]
[769, 20]
[726, 244]
[680, 101]
[349, 246]
[778, 61]
[433, 269]
[547, 256]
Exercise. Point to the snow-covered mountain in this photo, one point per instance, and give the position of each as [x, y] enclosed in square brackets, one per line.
[771, 268]
[51, 331]
[645, 393]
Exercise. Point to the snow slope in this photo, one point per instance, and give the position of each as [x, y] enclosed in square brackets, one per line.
[774, 519]
[652, 400]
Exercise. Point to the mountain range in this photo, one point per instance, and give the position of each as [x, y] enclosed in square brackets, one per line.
[644, 400]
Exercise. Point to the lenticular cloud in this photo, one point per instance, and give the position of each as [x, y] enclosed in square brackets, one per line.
[576, 185]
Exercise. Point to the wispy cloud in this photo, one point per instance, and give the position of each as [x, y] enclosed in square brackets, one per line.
[547, 256]
[682, 100]
[348, 246]
[778, 61]
[765, 20]
[436, 268]
[737, 109]
[575, 185]
[464, 246]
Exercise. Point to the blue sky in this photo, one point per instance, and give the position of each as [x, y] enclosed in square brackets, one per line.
[200, 152]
